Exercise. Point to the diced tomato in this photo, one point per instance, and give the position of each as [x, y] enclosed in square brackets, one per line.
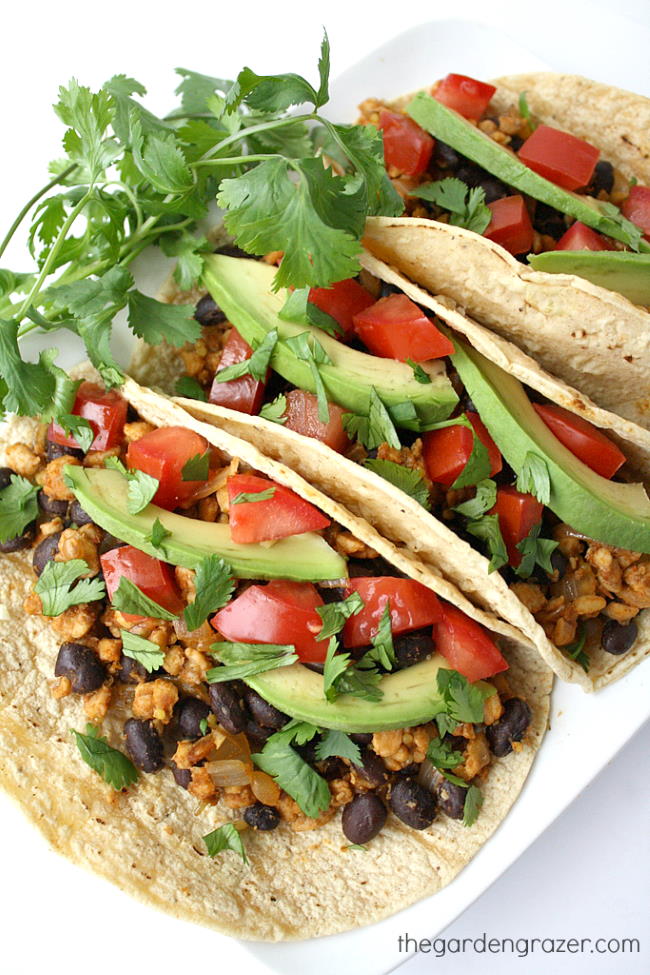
[446, 451]
[244, 394]
[280, 612]
[395, 328]
[342, 301]
[586, 441]
[153, 577]
[283, 514]
[163, 453]
[104, 409]
[637, 208]
[302, 416]
[467, 96]
[579, 237]
[467, 646]
[412, 606]
[510, 225]
[518, 513]
[559, 156]
[407, 147]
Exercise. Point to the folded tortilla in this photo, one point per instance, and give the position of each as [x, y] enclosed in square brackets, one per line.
[148, 840]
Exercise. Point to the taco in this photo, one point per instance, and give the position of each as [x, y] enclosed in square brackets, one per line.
[553, 234]
[208, 650]
[559, 554]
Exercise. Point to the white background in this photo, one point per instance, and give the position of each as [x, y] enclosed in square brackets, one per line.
[587, 876]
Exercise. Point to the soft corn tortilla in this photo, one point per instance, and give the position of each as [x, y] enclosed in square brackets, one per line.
[148, 840]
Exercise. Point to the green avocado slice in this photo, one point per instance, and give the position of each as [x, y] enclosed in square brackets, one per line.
[612, 512]
[243, 290]
[301, 558]
[621, 271]
[457, 132]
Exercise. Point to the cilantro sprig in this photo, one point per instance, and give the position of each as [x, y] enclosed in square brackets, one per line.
[59, 589]
[113, 766]
[226, 837]
[243, 660]
[18, 507]
[467, 207]
[214, 585]
[280, 759]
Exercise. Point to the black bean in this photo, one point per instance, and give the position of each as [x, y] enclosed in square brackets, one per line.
[227, 705]
[408, 771]
[131, 670]
[371, 768]
[263, 712]
[55, 450]
[144, 745]
[510, 727]
[333, 768]
[108, 543]
[51, 506]
[602, 179]
[494, 189]
[183, 776]
[445, 156]
[190, 712]
[451, 798]
[370, 567]
[19, 542]
[361, 738]
[332, 594]
[257, 735]
[412, 803]
[470, 174]
[559, 562]
[81, 666]
[6, 474]
[617, 638]
[516, 142]
[77, 514]
[45, 552]
[261, 817]
[548, 221]
[413, 648]
[363, 818]
[232, 250]
[388, 289]
[457, 742]
[207, 311]
[308, 751]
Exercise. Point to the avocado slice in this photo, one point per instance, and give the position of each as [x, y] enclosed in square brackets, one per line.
[411, 697]
[243, 290]
[609, 511]
[457, 132]
[103, 495]
[621, 271]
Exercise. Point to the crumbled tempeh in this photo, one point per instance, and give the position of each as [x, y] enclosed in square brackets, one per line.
[174, 660]
[98, 458]
[51, 478]
[492, 709]
[188, 753]
[347, 544]
[530, 595]
[341, 792]
[196, 666]
[155, 699]
[97, 703]
[186, 579]
[137, 430]
[476, 757]
[47, 528]
[202, 785]
[208, 508]
[22, 459]
[291, 813]
[61, 688]
[80, 543]
[108, 650]
[403, 746]
[76, 621]
[238, 796]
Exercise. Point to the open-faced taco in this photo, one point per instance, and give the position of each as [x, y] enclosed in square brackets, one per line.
[477, 447]
[555, 170]
[186, 596]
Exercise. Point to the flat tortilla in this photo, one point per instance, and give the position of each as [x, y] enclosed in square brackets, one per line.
[148, 840]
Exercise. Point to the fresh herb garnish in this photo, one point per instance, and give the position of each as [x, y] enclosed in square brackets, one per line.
[409, 481]
[57, 589]
[484, 499]
[256, 365]
[146, 652]
[334, 615]
[466, 206]
[18, 507]
[382, 651]
[79, 428]
[341, 676]
[359, 847]
[337, 743]
[246, 659]
[473, 805]
[442, 755]
[534, 478]
[196, 468]
[419, 374]
[477, 467]
[374, 429]
[141, 486]
[463, 702]
[576, 650]
[488, 530]
[535, 551]
[275, 410]
[158, 534]
[292, 773]
[633, 234]
[114, 767]
[214, 585]
[226, 837]
[251, 497]
[190, 388]
[204, 727]
[524, 111]
[298, 308]
[306, 347]
[127, 598]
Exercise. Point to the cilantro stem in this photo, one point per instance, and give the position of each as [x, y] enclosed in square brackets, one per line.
[30, 203]
[235, 160]
[253, 129]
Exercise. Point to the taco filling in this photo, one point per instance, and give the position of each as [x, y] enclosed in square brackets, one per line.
[223, 629]
[540, 491]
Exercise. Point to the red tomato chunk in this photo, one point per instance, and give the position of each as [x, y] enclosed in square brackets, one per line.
[283, 514]
[342, 301]
[302, 416]
[467, 646]
[559, 156]
[395, 328]
[510, 225]
[637, 208]
[163, 453]
[467, 96]
[245, 394]
[584, 440]
[104, 409]
[280, 612]
[412, 606]
[407, 147]
[518, 513]
[579, 237]
[154, 578]
[447, 451]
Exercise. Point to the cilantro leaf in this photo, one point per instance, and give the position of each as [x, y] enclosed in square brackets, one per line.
[294, 774]
[298, 308]
[534, 478]
[28, 386]
[464, 702]
[214, 585]
[409, 481]
[478, 465]
[524, 111]
[338, 744]
[335, 665]
[535, 551]
[374, 429]
[251, 497]
[467, 206]
[158, 534]
[196, 468]
[383, 651]
[154, 320]
[114, 767]
[142, 488]
[144, 651]
[274, 411]
[472, 806]
[418, 372]
[55, 586]
[225, 837]
[576, 650]
[79, 428]
[307, 348]
[188, 387]
[484, 499]
[18, 506]
[442, 755]
[488, 530]
[241, 660]
[334, 615]
[633, 235]
[360, 681]
[127, 598]
[256, 366]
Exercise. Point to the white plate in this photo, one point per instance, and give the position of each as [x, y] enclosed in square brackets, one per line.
[576, 748]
